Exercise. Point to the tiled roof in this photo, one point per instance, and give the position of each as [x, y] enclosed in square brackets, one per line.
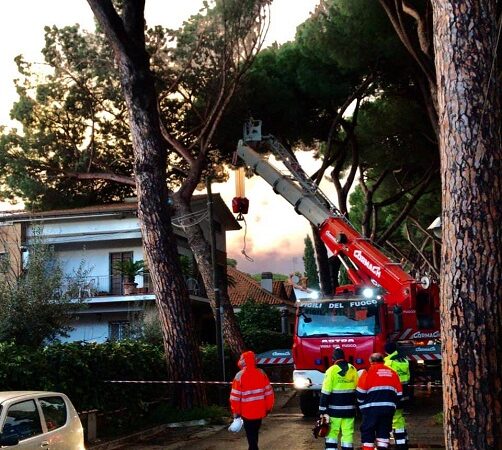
[242, 287]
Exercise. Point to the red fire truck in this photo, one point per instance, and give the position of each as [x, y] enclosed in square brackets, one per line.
[383, 303]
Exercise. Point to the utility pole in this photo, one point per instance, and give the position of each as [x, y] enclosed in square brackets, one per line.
[216, 282]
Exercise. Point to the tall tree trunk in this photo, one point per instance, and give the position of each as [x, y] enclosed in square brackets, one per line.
[202, 251]
[325, 279]
[471, 286]
[126, 36]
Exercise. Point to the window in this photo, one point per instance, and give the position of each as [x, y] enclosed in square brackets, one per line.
[116, 278]
[22, 420]
[119, 330]
[54, 409]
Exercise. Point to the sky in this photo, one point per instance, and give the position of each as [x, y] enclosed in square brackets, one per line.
[274, 234]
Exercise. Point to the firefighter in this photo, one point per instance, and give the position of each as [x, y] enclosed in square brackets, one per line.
[251, 397]
[378, 393]
[337, 404]
[401, 365]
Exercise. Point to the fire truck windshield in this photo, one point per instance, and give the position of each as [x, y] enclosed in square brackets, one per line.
[338, 318]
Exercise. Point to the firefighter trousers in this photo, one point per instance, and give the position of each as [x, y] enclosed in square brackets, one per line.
[343, 427]
[399, 430]
[376, 427]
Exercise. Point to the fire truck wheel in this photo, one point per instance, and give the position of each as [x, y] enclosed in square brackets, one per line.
[309, 403]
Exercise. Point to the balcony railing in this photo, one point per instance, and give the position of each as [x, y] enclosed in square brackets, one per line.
[101, 285]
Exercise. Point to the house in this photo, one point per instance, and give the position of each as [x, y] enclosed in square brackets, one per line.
[242, 287]
[101, 237]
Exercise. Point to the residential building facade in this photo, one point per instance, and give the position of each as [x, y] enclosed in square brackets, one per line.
[100, 238]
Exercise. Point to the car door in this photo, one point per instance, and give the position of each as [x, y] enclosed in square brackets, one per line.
[60, 435]
[22, 419]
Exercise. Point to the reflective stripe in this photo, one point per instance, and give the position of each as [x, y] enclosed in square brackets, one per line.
[341, 407]
[253, 391]
[362, 391]
[331, 440]
[382, 388]
[400, 441]
[325, 392]
[382, 442]
[369, 405]
[343, 391]
[235, 398]
[252, 399]
[235, 391]
[347, 444]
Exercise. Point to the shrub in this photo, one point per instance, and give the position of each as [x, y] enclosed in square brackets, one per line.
[81, 371]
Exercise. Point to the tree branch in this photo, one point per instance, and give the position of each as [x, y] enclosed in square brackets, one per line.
[122, 179]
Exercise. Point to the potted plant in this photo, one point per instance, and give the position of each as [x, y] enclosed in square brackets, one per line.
[129, 269]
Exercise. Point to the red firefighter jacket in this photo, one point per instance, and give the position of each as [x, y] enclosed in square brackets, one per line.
[378, 390]
[252, 396]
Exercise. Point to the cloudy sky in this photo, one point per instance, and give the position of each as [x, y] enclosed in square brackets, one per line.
[275, 233]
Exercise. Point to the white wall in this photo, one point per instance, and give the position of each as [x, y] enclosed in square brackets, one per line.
[97, 261]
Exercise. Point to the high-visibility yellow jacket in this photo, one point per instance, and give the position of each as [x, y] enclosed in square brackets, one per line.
[401, 366]
[338, 393]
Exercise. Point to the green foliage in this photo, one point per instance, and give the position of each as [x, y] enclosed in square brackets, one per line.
[232, 262]
[353, 35]
[129, 268]
[81, 369]
[275, 277]
[310, 265]
[263, 340]
[255, 316]
[438, 418]
[74, 118]
[150, 329]
[260, 324]
[36, 306]
[75, 114]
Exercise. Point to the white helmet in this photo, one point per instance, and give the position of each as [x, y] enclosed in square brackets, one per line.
[236, 425]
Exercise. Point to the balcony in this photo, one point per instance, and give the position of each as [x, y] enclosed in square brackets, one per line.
[99, 286]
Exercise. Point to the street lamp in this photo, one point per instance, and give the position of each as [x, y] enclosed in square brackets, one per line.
[435, 227]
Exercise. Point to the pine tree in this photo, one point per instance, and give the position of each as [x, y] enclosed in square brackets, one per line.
[310, 264]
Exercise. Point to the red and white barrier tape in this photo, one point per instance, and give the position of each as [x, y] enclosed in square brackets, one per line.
[229, 382]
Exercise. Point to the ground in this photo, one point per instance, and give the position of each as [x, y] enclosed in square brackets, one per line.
[287, 429]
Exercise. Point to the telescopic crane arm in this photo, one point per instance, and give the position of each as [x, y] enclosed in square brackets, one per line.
[369, 265]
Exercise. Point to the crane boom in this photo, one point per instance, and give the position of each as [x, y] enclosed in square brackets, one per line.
[370, 265]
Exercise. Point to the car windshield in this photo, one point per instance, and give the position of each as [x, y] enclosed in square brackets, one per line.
[338, 318]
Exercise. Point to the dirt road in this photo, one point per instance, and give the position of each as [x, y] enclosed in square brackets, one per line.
[287, 429]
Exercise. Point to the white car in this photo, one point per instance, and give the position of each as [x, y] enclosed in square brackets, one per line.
[32, 420]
